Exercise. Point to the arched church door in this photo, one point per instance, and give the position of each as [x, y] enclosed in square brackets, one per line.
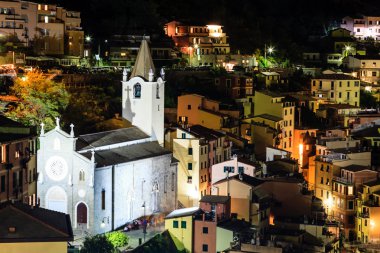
[81, 213]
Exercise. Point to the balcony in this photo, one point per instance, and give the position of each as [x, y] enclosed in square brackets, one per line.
[343, 180]
[364, 215]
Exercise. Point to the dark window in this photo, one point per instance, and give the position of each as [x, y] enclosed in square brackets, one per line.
[332, 85]
[189, 166]
[14, 183]
[205, 230]
[183, 136]
[173, 181]
[137, 90]
[183, 224]
[188, 107]
[157, 91]
[189, 179]
[103, 199]
[175, 224]
[241, 170]
[351, 205]
[204, 247]
[191, 151]
[2, 184]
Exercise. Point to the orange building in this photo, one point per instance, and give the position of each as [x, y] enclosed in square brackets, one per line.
[195, 109]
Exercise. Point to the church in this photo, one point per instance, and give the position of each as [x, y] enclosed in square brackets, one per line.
[105, 179]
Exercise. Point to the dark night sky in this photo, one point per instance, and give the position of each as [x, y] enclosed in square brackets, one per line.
[249, 23]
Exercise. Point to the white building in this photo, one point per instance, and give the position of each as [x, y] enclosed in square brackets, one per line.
[367, 68]
[106, 179]
[362, 27]
[231, 167]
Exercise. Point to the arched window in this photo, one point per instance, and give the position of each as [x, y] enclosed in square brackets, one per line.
[57, 144]
[81, 175]
[137, 90]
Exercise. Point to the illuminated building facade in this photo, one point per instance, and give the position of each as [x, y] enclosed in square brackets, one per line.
[336, 88]
[206, 45]
[197, 149]
[279, 112]
[367, 68]
[52, 30]
[362, 27]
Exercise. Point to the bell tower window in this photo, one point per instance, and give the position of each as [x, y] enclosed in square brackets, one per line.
[137, 90]
[157, 91]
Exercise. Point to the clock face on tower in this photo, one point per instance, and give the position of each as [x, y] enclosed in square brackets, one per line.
[56, 168]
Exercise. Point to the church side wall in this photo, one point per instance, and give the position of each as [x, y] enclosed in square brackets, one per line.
[103, 181]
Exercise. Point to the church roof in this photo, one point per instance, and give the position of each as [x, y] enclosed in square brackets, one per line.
[89, 141]
[143, 62]
[52, 226]
[127, 153]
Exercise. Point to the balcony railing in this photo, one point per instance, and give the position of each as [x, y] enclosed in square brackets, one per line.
[342, 180]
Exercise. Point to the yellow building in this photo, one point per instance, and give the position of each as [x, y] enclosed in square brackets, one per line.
[33, 229]
[179, 223]
[336, 88]
[278, 107]
[197, 148]
[329, 166]
[367, 222]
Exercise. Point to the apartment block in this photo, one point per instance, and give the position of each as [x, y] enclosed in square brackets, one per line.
[341, 206]
[365, 67]
[197, 148]
[336, 88]
[202, 43]
[18, 174]
[362, 27]
[48, 28]
[276, 108]
[193, 109]
[367, 219]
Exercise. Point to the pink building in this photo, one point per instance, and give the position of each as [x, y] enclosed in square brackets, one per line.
[216, 209]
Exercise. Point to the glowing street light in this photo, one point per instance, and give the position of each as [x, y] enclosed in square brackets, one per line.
[270, 50]
[88, 38]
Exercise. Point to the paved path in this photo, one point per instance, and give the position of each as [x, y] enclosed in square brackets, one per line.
[151, 231]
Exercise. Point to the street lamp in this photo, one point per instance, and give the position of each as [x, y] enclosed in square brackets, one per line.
[270, 50]
[347, 50]
[104, 220]
[88, 38]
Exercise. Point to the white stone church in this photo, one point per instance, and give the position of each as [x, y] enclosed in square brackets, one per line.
[106, 179]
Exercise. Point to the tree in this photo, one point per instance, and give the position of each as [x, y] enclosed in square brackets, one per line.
[41, 100]
[367, 100]
[97, 244]
[117, 238]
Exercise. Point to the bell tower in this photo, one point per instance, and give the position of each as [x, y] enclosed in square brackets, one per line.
[143, 96]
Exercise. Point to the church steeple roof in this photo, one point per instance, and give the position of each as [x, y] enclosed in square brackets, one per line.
[143, 62]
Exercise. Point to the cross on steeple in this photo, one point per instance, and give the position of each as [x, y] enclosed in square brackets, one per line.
[128, 89]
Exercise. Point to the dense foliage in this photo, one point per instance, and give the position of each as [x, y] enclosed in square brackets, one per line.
[97, 244]
[41, 100]
[117, 238]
